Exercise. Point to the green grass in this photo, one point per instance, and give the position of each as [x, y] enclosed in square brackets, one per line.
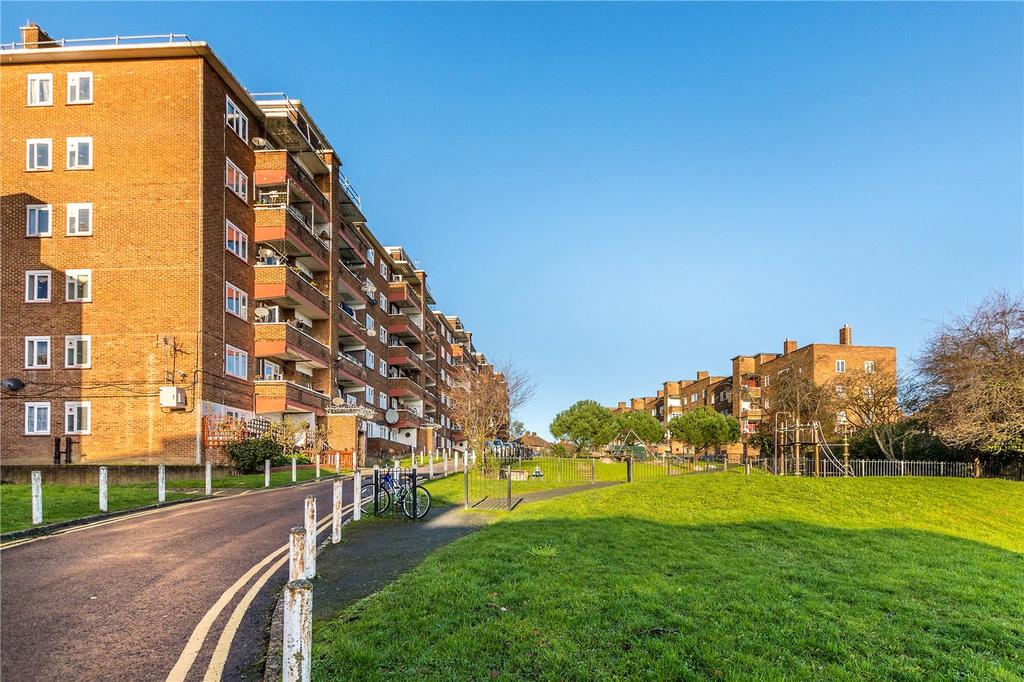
[718, 576]
[67, 502]
[277, 478]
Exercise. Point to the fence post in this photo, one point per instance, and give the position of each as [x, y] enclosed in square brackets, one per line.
[415, 484]
[298, 631]
[445, 455]
[629, 469]
[430, 458]
[209, 477]
[266, 473]
[977, 467]
[456, 461]
[509, 487]
[293, 468]
[355, 463]
[336, 519]
[465, 488]
[161, 483]
[37, 497]
[593, 471]
[310, 518]
[748, 467]
[296, 553]
[357, 496]
[903, 468]
[103, 489]
[376, 489]
[318, 466]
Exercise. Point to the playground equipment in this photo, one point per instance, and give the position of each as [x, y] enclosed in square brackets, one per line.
[793, 439]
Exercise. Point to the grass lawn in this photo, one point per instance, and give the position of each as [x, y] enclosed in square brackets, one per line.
[66, 502]
[277, 478]
[719, 576]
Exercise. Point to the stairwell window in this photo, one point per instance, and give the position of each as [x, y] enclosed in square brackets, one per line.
[37, 220]
[382, 401]
[37, 286]
[370, 256]
[840, 366]
[78, 286]
[77, 417]
[236, 301]
[236, 120]
[77, 352]
[79, 220]
[383, 300]
[38, 156]
[37, 352]
[869, 366]
[79, 153]
[382, 367]
[80, 87]
[236, 241]
[369, 395]
[236, 181]
[37, 419]
[236, 362]
[40, 89]
[370, 359]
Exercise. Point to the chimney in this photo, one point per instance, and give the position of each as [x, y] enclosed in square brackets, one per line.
[788, 346]
[33, 37]
[846, 335]
[702, 375]
[622, 406]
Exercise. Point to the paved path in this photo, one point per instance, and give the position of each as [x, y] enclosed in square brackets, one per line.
[120, 600]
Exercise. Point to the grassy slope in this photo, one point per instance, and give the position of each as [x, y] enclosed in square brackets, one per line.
[66, 502]
[720, 576]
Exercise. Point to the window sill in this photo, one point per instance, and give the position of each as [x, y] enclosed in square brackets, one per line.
[78, 234]
[39, 170]
[40, 301]
[74, 104]
[39, 236]
[36, 435]
[79, 168]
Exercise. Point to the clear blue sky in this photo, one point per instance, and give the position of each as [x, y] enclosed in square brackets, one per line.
[614, 195]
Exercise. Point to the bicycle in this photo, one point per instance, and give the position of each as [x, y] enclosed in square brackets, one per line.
[398, 488]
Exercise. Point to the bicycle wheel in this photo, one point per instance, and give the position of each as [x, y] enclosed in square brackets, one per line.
[422, 502]
[366, 499]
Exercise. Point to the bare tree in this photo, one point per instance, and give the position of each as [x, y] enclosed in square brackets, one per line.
[972, 375]
[798, 395]
[483, 401]
[871, 402]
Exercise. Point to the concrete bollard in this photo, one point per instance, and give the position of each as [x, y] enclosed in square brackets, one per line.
[37, 497]
[298, 631]
[294, 475]
[748, 467]
[161, 484]
[296, 553]
[355, 464]
[266, 473]
[430, 459]
[456, 462]
[357, 496]
[336, 519]
[446, 464]
[318, 466]
[310, 537]
[103, 489]
[209, 477]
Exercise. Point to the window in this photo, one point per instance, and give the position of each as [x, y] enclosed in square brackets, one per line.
[37, 286]
[271, 371]
[369, 358]
[40, 89]
[77, 417]
[236, 241]
[384, 270]
[37, 352]
[382, 401]
[235, 301]
[767, 381]
[79, 219]
[382, 367]
[693, 397]
[37, 220]
[840, 366]
[236, 180]
[236, 120]
[236, 362]
[37, 154]
[77, 352]
[369, 395]
[383, 335]
[869, 366]
[840, 392]
[37, 419]
[841, 417]
[79, 153]
[78, 285]
[369, 323]
[383, 302]
[80, 87]
[869, 392]
[371, 256]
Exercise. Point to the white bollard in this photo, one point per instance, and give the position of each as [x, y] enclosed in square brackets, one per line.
[357, 496]
[456, 461]
[298, 631]
[266, 473]
[355, 465]
[37, 497]
[310, 537]
[296, 553]
[445, 464]
[336, 520]
[431, 462]
[293, 469]
[103, 489]
[318, 466]
[209, 477]
[161, 484]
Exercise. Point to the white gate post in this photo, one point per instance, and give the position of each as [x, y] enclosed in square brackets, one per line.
[209, 477]
[357, 497]
[161, 484]
[318, 466]
[266, 473]
[310, 537]
[296, 553]
[103, 489]
[37, 497]
[336, 519]
[298, 631]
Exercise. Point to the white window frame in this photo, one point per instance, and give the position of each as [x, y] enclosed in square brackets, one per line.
[73, 210]
[369, 395]
[37, 209]
[383, 333]
[384, 270]
[383, 302]
[75, 78]
[31, 341]
[68, 275]
[841, 417]
[74, 339]
[242, 190]
[30, 157]
[33, 78]
[382, 401]
[240, 296]
[242, 239]
[371, 255]
[869, 366]
[72, 148]
[370, 359]
[69, 408]
[238, 122]
[239, 355]
[840, 366]
[382, 367]
[30, 290]
[30, 429]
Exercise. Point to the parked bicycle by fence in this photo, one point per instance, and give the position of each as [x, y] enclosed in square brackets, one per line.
[398, 487]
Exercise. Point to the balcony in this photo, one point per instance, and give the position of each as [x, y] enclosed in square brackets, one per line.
[282, 285]
[403, 356]
[404, 295]
[408, 418]
[404, 387]
[289, 232]
[350, 370]
[401, 325]
[279, 169]
[350, 285]
[285, 396]
[287, 342]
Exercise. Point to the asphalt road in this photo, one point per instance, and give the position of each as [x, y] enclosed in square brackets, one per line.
[119, 601]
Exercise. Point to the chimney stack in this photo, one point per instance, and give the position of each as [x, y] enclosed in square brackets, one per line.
[788, 346]
[33, 37]
[622, 405]
[846, 335]
[702, 375]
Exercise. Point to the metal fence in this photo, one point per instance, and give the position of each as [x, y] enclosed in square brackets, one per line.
[881, 467]
[651, 468]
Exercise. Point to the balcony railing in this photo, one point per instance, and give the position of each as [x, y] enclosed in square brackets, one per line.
[400, 354]
[111, 40]
[277, 395]
[403, 293]
[351, 366]
[287, 228]
[280, 282]
[276, 338]
[399, 387]
[279, 167]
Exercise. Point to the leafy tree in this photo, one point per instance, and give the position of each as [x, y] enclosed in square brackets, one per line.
[704, 428]
[637, 424]
[516, 429]
[586, 424]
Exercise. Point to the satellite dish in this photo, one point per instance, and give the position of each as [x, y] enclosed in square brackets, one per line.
[261, 311]
[259, 142]
[266, 252]
[371, 332]
[337, 401]
[391, 416]
[13, 384]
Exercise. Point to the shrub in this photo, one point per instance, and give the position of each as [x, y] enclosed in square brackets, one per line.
[248, 455]
[557, 450]
[283, 460]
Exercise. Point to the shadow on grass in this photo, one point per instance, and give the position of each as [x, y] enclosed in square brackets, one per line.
[622, 598]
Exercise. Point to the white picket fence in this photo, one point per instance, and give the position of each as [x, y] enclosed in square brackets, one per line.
[872, 467]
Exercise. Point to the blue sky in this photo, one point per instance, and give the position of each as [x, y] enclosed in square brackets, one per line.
[614, 195]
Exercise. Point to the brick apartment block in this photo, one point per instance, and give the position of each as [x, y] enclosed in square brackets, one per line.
[165, 229]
